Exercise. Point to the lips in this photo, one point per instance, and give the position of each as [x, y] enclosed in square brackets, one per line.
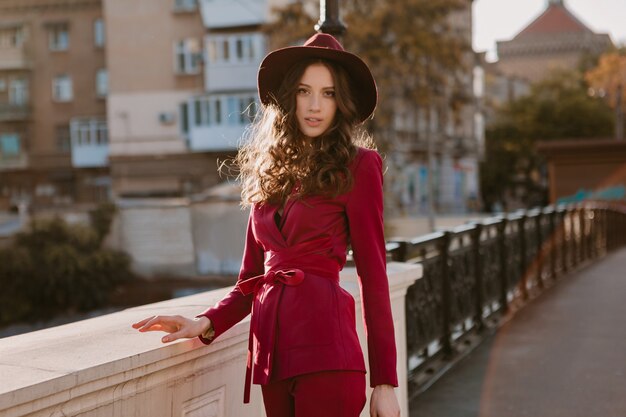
[313, 122]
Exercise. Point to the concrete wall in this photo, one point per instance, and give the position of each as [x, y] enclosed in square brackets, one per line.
[102, 367]
[177, 237]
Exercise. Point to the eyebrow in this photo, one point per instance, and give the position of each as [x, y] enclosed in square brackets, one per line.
[323, 88]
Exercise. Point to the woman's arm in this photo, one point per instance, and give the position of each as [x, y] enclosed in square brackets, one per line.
[178, 327]
[231, 309]
[365, 216]
[222, 316]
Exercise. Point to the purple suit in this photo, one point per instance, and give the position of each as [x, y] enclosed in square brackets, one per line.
[302, 320]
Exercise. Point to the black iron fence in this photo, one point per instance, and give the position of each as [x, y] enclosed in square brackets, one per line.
[475, 272]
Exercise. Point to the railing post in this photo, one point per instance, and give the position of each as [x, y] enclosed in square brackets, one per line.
[478, 276]
[564, 243]
[574, 244]
[522, 250]
[621, 230]
[400, 254]
[504, 285]
[446, 295]
[552, 243]
[539, 253]
[582, 221]
[592, 216]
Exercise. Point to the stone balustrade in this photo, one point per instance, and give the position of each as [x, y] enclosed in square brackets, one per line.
[101, 367]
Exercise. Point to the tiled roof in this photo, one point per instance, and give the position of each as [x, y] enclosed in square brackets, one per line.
[555, 19]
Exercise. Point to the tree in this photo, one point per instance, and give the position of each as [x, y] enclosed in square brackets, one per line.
[608, 79]
[558, 107]
[56, 268]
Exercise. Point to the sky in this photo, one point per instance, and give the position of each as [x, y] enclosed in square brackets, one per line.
[498, 20]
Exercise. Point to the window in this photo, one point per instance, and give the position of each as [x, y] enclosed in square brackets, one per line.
[188, 56]
[102, 82]
[63, 139]
[242, 48]
[184, 121]
[18, 92]
[11, 37]
[9, 145]
[225, 50]
[88, 132]
[246, 110]
[98, 33]
[231, 111]
[62, 88]
[238, 110]
[58, 37]
[479, 82]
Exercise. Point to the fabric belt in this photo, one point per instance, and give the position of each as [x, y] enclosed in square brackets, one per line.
[266, 290]
[255, 285]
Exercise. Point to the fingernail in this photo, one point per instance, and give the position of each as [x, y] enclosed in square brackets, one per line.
[165, 339]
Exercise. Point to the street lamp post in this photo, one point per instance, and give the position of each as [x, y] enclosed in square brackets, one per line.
[329, 19]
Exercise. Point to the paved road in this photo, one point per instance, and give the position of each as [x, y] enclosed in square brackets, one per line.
[563, 355]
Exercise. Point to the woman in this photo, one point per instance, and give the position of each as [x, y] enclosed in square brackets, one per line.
[312, 192]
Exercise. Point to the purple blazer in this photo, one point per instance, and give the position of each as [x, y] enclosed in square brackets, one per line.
[302, 320]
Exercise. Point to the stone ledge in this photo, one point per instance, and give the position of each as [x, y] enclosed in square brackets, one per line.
[103, 364]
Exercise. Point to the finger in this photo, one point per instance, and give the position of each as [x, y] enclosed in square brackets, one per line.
[157, 323]
[142, 322]
[172, 337]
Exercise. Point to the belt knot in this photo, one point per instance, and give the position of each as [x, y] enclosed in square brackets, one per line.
[290, 277]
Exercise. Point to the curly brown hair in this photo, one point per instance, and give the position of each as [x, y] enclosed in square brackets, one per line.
[275, 155]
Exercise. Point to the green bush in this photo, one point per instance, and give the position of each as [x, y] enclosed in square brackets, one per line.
[58, 268]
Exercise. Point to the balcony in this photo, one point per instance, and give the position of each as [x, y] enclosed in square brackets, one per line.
[10, 112]
[90, 155]
[103, 367]
[14, 58]
[219, 14]
[217, 121]
[233, 61]
[215, 138]
[90, 147]
[231, 77]
[13, 162]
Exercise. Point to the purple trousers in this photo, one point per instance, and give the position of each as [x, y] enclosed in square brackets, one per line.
[328, 394]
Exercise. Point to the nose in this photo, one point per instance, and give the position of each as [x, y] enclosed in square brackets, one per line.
[314, 102]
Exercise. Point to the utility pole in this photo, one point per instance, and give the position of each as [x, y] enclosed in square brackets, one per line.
[330, 22]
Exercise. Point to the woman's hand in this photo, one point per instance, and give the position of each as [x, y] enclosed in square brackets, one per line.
[177, 326]
[383, 402]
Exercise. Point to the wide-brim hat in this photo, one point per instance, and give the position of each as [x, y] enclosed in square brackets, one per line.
[276, 64]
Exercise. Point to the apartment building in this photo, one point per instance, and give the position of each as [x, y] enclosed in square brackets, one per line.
[452, 133]
[53, 92]
[183, 89]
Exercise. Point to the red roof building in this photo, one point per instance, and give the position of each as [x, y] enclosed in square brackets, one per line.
[555, 39]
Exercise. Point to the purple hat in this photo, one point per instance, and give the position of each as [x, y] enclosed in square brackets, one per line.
[276, 64]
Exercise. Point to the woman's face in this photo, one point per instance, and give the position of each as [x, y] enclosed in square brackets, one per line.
[315, 100]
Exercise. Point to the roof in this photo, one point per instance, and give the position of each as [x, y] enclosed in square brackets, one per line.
[555, 19]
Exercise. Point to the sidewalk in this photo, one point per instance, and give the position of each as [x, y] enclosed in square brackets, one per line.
[562, 355]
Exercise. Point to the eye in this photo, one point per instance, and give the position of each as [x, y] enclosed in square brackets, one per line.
[329, 93]
[301, 90]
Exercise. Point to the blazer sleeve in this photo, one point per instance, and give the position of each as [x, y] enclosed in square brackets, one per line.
[364, 210]
[235, 306]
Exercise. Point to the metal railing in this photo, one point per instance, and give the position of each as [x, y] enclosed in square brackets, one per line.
[473, 273]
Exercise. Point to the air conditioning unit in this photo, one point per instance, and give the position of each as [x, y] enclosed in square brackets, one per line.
[167, 118]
